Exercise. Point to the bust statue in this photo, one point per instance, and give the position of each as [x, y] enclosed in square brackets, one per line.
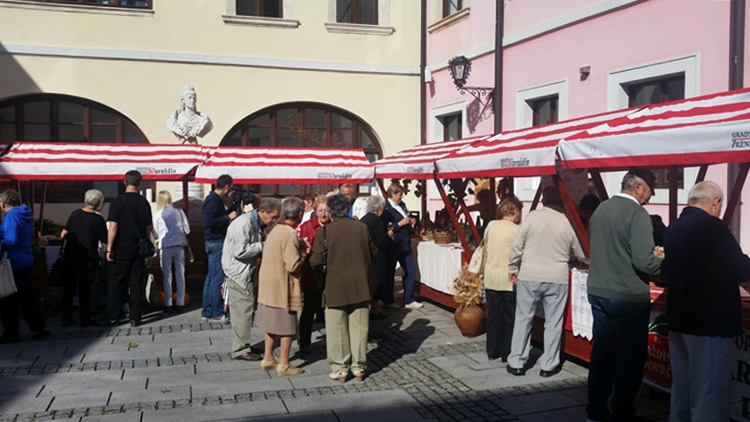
[187, 123]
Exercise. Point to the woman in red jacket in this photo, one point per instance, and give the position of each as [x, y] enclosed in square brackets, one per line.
[311, 293]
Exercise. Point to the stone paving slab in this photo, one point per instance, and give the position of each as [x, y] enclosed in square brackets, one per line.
[536, 403]
[150, 395]
[84, 399]
[229, 389]
[350, 402]
[575, 413]
[132, 416]
[238, 411]
[92, 386]
[24, 405]
[322, 416]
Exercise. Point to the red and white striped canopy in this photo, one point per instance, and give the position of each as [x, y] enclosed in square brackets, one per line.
[523, 152]
[286, 165]
[87, 161]
[418, 162]
[709, 129]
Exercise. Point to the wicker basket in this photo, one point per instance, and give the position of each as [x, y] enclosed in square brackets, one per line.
[442, 238]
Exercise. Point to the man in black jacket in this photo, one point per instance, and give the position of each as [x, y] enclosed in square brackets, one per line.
[704, 266]
[216, 219]
[129, 222]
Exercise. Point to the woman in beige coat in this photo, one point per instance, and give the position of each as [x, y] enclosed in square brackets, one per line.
[499, 291]
[279, 292]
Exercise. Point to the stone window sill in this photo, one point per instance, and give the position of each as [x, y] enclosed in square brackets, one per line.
[260, 21]
[355, 28]
[449, 20]
[76, 8]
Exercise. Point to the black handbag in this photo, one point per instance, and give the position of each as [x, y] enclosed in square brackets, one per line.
[320, 272]
[146, 248]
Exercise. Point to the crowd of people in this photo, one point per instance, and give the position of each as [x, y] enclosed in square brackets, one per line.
[290, 259]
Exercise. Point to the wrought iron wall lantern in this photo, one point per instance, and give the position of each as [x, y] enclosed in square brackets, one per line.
[460, 68]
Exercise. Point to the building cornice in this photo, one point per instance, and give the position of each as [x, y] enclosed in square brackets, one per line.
[204, 59]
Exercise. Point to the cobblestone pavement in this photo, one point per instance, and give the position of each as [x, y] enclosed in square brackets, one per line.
[179, 368]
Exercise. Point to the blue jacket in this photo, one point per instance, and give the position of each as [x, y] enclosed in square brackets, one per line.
[16, 232]
[215, 218]
[401, 235]
[704, 265]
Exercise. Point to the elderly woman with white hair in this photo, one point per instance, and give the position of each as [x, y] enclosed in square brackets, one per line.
[382, 239]
[279, 291]
[84, 230]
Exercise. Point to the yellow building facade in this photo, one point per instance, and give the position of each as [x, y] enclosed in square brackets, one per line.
[355, 61]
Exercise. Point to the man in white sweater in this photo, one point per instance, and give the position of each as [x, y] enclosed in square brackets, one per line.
[541, 250]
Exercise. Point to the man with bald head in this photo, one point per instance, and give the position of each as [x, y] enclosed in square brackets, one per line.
[704, 266]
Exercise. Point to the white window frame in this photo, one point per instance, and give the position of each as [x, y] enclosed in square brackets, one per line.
[617, 98]
[382, 28]
[436, 116]
[285, 21]
[525, 101]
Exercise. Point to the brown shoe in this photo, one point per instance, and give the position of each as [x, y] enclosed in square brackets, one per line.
[267, 365]
[249, 356]
[282, 370]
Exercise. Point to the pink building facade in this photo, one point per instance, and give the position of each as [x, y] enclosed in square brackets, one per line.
[567, 59]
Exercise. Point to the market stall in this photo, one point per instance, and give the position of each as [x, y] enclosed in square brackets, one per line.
[700, 131]
[45, 161]
[438, 263]
[531, 152]
[252, 165]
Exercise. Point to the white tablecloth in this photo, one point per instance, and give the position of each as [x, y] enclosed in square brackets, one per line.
[580, 310]
[438, 264]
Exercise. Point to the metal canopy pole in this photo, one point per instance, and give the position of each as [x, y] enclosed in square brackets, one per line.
[701, 173]
[596, 177]
[672, 194]
[537, 197]
[185, 195]
[734, 197]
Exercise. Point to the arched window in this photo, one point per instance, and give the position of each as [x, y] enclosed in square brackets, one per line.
[303, 125]
[65, 118]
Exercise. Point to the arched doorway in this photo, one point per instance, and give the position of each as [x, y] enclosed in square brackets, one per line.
[66, 118]
[303, 125]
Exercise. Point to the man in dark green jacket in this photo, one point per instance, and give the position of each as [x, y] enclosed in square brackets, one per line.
[622, 258]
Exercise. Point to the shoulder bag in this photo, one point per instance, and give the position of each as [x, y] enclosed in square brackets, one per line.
[476, 265]
[146, 248]
[189, 257]
[320, 272]
[7, 282]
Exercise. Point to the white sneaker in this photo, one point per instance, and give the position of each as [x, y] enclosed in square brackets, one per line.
[393, 305]
[414, 305]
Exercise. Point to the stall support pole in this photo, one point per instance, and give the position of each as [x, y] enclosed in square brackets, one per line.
[185, 195]
[734, 198]
[465, 210]
[701, 173]
[537, 197]
[41, 209]
[382, 187]
[672, 193]
[493, 188]
[453, 217]
[596, 177]
[573, 216]
[31, 201]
